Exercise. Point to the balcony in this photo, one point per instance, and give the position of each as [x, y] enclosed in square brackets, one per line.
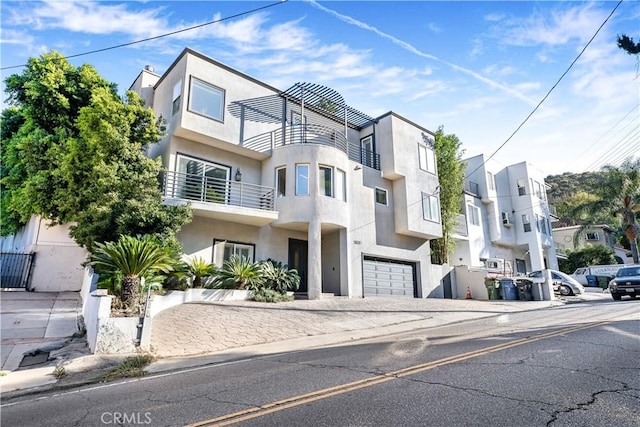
[312, 134]
[220, 199]
[472, 188]
[461, 227]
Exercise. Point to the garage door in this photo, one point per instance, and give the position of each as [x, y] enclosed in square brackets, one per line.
[384, 277]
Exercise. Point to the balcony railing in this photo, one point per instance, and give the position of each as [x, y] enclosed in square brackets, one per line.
[312, 134]
[472, 188]
[215, 190]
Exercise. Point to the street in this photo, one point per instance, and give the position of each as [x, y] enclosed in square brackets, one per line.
[577, 365]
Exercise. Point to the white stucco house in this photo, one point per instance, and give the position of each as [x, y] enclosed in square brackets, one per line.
[506, 219]
[297, 176]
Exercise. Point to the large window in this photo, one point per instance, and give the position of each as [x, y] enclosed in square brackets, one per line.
[206, 99]
[281, 182]
[430, 208]
[381, 196]
[427, 158]
[474, 214]
[223, 250]
[202, 180]
[177, 92]
[302, 180]
[341, 185]
[325, 181]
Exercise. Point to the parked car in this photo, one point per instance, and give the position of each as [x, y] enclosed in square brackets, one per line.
[626, 282]
[563, 284]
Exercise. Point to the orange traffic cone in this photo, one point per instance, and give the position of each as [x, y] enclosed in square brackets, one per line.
[468, 293]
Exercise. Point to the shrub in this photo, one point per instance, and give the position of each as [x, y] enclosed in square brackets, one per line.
[201, 272]
[240, 273]
[279, 277]
[269, 295]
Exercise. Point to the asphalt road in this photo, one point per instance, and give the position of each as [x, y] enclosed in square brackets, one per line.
[577, 365]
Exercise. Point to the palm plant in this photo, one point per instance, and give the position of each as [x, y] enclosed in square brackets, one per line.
[132, 258]
[199, 270]
[279, 277]
[240, 273]
[617, 197]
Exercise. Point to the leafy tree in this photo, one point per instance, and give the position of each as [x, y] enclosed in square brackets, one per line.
[131, 259]
[586, 256]
[618, 198]
[451, 179]
[74, 152]
[627, 44]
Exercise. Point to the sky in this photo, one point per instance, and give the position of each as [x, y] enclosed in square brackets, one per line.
[479, 69]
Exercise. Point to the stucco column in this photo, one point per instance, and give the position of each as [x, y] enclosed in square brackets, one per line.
[314, 263]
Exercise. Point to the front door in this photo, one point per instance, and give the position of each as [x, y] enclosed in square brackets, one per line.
[298, 259]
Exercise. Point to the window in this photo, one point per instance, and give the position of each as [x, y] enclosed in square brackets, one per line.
[367, 152]
[538, 189]
[474, 214]
[381, 196]
[206, 99]
[302, 180]
[491, 181]
[341, 185]
[430, 208]
[202, 180]
[325, 181]
[526, 223]
[281, 182]
[592, 235]
[522, 187]
[427, 159]
[223, 250]
[177, 91]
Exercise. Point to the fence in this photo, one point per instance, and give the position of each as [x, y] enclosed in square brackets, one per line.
[15, 269]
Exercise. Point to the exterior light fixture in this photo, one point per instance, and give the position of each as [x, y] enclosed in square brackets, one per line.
[238, 175]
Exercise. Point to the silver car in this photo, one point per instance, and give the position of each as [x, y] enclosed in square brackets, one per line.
[568, 285]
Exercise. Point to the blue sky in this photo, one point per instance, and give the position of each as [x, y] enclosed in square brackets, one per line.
[477, 68]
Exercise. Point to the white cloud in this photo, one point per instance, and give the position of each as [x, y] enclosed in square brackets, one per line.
[434, 27]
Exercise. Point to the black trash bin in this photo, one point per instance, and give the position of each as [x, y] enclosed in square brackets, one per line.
[509, 289]
[525, 289]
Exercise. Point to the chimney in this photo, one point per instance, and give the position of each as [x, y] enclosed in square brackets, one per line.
[149, 68]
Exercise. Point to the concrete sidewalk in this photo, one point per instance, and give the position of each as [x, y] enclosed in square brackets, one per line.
[195, 334]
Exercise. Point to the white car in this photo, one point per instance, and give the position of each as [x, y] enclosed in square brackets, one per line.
[568, 285]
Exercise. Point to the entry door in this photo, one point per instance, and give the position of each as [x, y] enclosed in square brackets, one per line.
[298, 255]
[521, 266]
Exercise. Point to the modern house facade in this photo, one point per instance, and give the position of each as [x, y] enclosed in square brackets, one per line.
[296, 176]
[506, 219]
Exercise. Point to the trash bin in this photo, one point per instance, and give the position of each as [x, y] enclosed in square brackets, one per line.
[509, 289]
[592, 281]
[525, 289]
[493, 287]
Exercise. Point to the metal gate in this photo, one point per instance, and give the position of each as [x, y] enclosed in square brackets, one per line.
[15, 269]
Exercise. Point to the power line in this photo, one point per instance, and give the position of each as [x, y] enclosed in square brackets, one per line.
[163, 35]
[613, 154]
[549, 92]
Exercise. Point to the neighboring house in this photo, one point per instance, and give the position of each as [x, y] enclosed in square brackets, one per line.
[506, 217]
[574, 237]
[297, 176]
[42, 258]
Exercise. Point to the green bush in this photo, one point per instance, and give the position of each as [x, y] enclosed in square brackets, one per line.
[269, 295]
[279, 277]
[240, 273]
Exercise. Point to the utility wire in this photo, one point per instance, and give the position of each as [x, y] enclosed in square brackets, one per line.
[549, 92]
[613, 154]
[163, 35]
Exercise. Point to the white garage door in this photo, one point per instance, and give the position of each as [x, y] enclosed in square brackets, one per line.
[383, 277]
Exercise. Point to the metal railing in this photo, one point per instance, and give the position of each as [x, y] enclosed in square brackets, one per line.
[313, 134]
[472, 188]
[215, 190]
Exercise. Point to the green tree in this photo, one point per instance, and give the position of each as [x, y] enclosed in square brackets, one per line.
[451, 170]
[586, 256]
[627, 44]
[75, 152]
[617, 198]
[131, 258]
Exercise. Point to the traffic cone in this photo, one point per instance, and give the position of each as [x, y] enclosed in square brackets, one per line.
[468, 293]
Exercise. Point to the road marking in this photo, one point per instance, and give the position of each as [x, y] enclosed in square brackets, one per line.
[302, 399]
